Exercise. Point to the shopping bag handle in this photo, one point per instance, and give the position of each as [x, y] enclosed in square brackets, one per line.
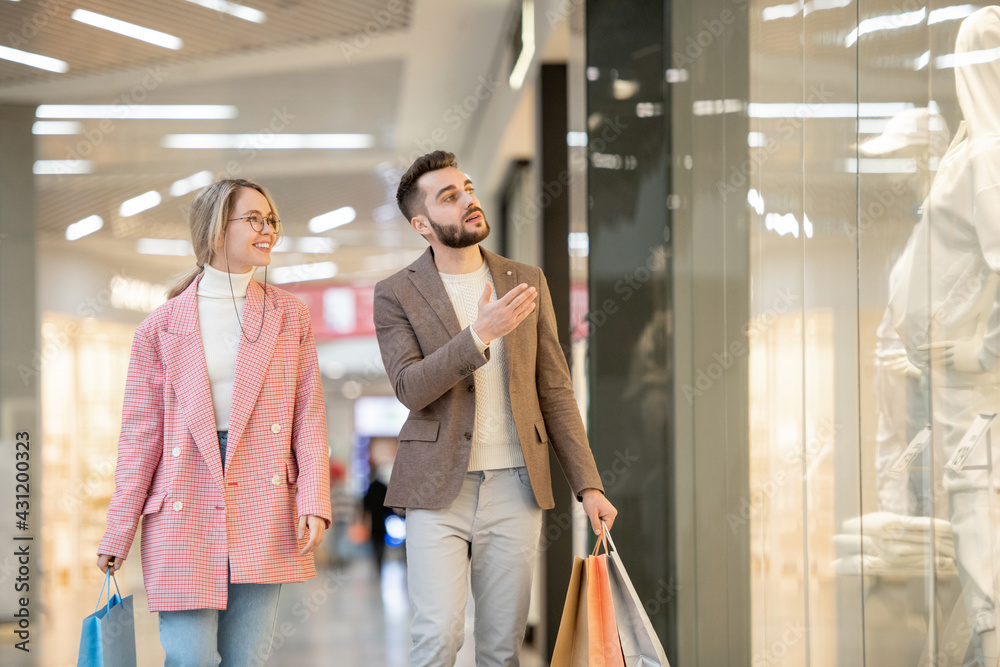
[107, 575]
[607, 535]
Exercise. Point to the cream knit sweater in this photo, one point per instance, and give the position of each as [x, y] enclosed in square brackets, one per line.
[494, 441]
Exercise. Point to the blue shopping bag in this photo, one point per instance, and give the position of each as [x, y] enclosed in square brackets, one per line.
[107, 638]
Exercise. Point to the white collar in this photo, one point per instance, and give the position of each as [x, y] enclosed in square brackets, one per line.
[216, 284]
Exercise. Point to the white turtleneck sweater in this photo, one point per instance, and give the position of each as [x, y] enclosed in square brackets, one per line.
[220, 334]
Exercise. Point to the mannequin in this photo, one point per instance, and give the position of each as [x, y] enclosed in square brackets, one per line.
[947, 310]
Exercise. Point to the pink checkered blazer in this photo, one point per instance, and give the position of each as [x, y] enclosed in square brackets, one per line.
[169, 471]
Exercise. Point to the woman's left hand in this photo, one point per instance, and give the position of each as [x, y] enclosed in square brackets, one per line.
[317, 526]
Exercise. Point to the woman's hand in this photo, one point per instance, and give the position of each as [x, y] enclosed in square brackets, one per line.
[104, 561]
[317, 526]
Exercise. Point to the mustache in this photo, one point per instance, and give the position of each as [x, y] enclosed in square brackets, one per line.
[473, 212]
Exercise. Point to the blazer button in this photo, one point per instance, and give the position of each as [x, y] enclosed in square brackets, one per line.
[177, 451]
[468, 436]
[276, 480]
[275, 428]
[472, 388]
[177, 506]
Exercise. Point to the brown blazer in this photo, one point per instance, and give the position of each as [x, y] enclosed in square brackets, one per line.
[430, 361]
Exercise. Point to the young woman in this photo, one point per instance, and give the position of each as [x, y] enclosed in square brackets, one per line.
[223, 449]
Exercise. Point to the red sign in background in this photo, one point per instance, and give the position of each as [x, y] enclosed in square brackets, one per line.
[339, 311]
[345, 311]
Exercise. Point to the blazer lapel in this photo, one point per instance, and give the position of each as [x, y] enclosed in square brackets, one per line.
[505, 279]
[424, 276]
[184, 364]
[252, 361]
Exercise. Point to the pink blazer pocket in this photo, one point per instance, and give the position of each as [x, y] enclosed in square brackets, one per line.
[154, 503]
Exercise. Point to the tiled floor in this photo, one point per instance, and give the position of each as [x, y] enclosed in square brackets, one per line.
[360, 623]
[342, 617]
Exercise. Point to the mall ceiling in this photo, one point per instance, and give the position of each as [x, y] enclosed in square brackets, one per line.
[275, 71]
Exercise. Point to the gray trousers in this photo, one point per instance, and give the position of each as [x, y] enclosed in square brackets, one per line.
[491, 533]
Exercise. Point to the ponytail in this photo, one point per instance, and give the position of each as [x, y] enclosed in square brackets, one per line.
[183, 282]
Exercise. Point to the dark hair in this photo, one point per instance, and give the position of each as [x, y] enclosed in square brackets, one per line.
[408, 195]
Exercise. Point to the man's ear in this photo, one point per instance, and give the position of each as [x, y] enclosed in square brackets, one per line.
[420, 224]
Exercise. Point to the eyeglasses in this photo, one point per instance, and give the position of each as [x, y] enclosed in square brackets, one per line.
[258, 223]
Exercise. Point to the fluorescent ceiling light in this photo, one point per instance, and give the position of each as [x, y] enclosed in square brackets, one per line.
[887, 22]
[807, 226]
[527, 45]
[879, 165]
[576, 138]
[315, 244]
[190, 184]
[128, 29]
[579, 244]
[146, 200]
[968, 58]
[331, 220]
[302, 272]
[320, 245]
[828, 110]
[755, 200]
[49, 167]
[260, 141]
[55, 127]
[952, 13]
[33, 60]
[788, 11]
[81, 228]
[138, 111]
[775, 12]
[717, 107]
[233, 9]
[173, 247]
[783, 224]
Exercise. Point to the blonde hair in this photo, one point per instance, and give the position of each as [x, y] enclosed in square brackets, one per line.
[209, 217]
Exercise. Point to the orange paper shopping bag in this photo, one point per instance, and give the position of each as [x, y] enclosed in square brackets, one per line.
[588, 632]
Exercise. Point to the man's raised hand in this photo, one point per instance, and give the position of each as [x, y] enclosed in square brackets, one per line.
[498, 318]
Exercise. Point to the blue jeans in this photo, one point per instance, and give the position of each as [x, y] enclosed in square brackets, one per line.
[239, 635]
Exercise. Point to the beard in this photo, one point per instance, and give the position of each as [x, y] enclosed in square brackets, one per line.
[459, 236]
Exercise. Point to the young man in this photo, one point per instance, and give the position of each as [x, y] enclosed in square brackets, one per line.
[469, 341]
